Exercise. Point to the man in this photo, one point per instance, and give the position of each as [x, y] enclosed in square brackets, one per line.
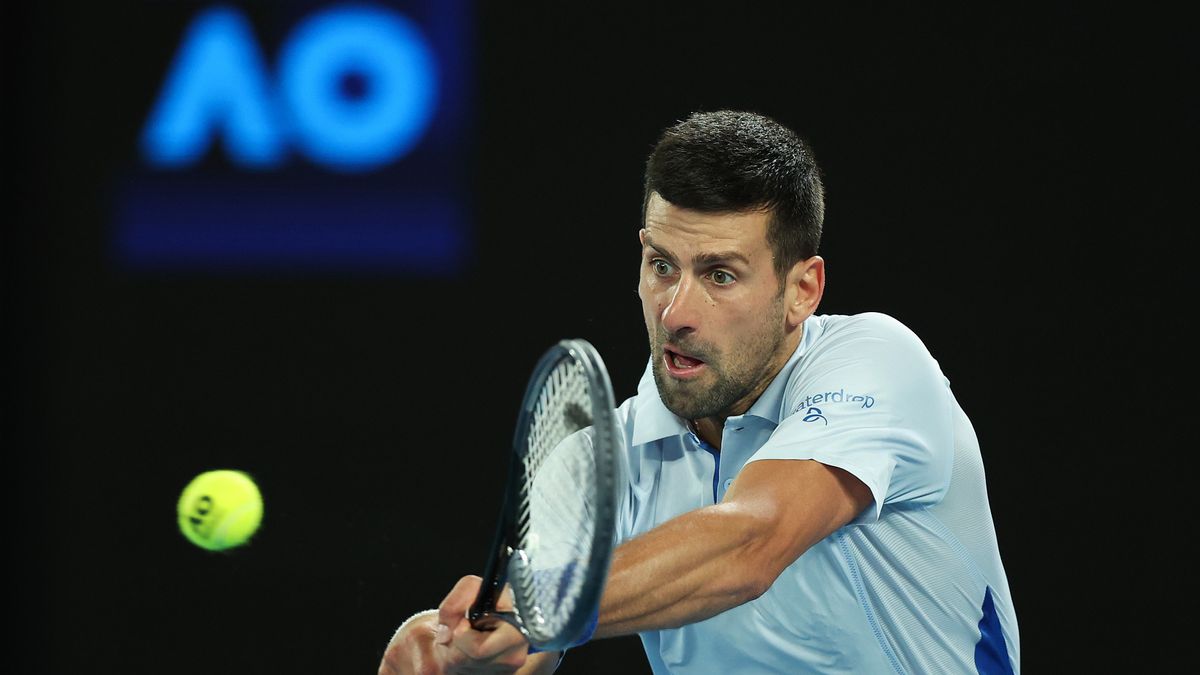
[805, 494]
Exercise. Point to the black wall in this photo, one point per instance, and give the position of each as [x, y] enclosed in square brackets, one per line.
[1009, 183]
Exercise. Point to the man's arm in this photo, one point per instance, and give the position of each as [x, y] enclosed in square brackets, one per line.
[706, 561]
[686, 570]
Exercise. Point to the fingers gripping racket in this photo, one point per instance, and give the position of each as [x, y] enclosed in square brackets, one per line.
[554, 540]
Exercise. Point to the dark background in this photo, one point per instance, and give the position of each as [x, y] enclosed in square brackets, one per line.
[1008, 183]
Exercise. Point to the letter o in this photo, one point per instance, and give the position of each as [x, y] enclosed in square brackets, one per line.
[397, 67]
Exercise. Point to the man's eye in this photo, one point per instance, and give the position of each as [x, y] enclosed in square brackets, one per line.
[722, 278]
[661, 267]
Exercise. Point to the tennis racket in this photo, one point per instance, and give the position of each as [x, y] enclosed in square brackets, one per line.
[554, 540]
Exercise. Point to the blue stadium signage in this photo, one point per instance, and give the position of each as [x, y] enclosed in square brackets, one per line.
[345, 151]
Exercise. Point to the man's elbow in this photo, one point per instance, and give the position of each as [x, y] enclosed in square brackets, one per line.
[747, 582]
[759, 582]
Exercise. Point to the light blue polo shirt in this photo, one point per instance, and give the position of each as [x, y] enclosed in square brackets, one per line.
[913, 585]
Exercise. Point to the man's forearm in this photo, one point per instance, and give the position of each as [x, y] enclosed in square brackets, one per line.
[688, 569]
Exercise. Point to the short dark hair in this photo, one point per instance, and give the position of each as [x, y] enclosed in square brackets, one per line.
[731, 161]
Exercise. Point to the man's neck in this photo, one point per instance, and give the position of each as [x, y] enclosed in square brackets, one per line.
[710, 430]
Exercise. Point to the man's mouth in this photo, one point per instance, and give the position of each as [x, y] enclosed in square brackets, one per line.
[681, 365]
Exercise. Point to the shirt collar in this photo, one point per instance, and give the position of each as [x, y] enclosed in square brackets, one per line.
[651, 419]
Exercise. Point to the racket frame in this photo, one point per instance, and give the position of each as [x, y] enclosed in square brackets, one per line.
[484, 614]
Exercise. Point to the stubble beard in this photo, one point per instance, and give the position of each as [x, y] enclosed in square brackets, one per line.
[729, 382]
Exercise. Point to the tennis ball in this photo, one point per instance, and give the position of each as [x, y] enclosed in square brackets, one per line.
[220, 509]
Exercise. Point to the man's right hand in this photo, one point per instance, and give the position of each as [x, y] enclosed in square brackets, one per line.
[446, 643]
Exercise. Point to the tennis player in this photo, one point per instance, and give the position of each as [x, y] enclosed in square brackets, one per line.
[805, 494]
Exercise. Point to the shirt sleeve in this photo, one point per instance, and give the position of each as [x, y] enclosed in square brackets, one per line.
[868, 398]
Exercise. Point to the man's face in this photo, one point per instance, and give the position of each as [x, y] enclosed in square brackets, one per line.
[713, 307]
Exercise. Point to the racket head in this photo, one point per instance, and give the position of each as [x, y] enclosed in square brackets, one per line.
[556, 535]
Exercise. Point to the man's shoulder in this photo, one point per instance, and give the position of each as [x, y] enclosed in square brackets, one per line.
[869, 330]
[876, 322]
[870, 345]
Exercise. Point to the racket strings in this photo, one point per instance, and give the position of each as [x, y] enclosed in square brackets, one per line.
[555, 522]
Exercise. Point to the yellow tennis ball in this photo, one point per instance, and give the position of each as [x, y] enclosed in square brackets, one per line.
[220, 509]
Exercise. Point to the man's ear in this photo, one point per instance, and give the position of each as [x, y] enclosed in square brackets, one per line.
[804, 287]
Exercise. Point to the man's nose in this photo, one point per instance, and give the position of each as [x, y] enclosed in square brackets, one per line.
[683, 311]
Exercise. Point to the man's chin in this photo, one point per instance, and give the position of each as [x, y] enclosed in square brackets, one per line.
[676, 394]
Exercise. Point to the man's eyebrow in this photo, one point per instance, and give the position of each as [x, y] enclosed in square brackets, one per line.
[650, 244]
[709, 259]
[720, 258]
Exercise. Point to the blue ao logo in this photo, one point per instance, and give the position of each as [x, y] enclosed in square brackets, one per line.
[355, 89]
[333, 146]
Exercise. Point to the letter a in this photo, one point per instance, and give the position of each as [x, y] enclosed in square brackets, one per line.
[217, 85]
